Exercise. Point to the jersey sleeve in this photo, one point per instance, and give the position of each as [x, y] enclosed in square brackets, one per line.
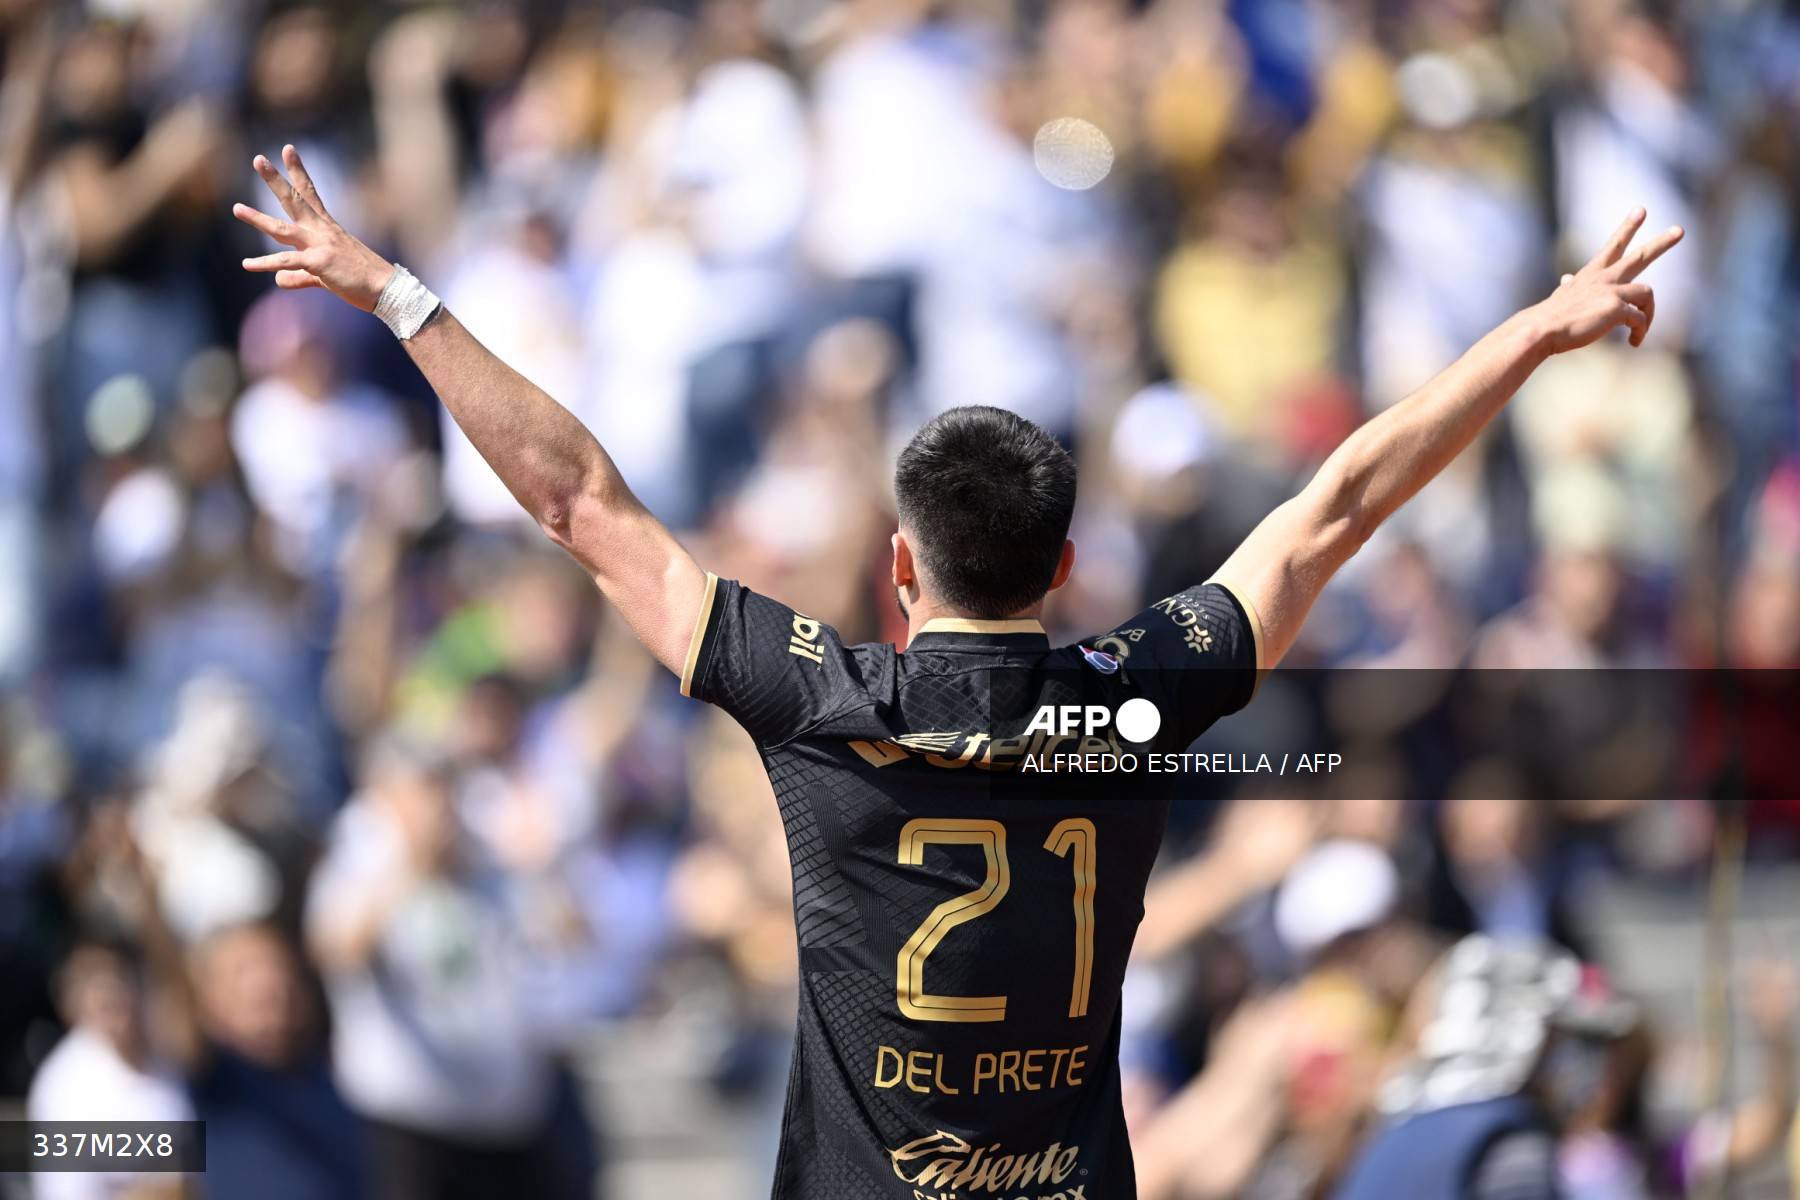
[1197, 655]
[777, 672]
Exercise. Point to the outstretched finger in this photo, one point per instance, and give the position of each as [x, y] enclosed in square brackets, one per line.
[1621, 238]
[302, 180]
[1649, 252]
[262, 222]
[284, 191]
[286, 260]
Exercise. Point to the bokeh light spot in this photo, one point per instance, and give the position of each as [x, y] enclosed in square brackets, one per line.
[1072, 153]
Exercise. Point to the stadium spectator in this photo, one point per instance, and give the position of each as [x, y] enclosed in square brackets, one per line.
[432, 1041]
[1466, 1119]
[105, 1068]
[259, 1076]
[1610, 1149]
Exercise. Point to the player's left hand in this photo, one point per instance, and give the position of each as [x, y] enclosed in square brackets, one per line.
[1606, 293]
[324, 253]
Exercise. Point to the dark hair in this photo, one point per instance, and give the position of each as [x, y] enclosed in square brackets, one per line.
[987, 497]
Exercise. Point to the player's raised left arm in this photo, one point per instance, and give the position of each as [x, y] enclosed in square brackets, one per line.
[1286, 561]
[546, 457]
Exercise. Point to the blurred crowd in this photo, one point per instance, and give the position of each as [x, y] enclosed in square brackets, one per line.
[334, 807]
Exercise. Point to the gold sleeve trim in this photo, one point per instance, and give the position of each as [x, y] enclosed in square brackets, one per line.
[1256, 629]
[699, 634]
[971, 625]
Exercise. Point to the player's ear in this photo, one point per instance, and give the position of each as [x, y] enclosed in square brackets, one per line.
[1065, 565]
[905, 575]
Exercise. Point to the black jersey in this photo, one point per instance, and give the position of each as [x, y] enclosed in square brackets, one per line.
[968, 878]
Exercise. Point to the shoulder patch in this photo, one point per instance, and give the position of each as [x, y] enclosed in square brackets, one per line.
[1100, 660]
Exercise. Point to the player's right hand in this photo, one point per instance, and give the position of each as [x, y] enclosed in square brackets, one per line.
[324, 253]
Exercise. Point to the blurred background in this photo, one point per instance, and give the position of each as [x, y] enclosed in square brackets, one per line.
[336, 810]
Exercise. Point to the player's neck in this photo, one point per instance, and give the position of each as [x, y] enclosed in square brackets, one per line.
[922, 612]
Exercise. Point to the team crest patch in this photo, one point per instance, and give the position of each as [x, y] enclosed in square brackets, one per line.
[1101, 661]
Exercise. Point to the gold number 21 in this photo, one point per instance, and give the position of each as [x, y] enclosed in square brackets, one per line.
[1075, 834]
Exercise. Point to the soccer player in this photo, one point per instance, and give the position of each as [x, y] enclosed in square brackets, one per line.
[964, 911]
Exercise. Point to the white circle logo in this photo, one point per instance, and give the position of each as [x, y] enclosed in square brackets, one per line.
[1138, 720]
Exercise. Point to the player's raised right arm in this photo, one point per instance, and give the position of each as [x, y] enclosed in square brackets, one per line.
[546, 457]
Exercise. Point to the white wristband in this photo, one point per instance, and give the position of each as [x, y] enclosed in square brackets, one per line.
[406, 304]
